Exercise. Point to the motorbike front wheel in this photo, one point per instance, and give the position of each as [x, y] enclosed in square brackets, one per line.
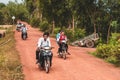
[24, 37]
[47, 65]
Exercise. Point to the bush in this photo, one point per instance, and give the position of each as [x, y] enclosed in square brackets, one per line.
[110, 52]
[56, 30]
[79, 33]
[45, 27]
[70, 35]
[35, 22]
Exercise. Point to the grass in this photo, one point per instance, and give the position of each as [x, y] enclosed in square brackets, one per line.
[10, 66]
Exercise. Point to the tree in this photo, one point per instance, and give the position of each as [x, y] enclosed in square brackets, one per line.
[91, 15]
[2, 5]
[12, 9]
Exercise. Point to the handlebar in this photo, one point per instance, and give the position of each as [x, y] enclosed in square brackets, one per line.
[47, 48]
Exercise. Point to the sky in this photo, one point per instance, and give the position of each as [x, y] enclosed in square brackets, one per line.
[6, 1]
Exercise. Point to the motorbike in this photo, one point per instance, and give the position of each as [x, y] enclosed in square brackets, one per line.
[24, 35]
[18, 27]
[63, 49]
[47, 57]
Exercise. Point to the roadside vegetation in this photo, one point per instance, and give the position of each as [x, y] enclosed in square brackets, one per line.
[10, 66]
[110, 52]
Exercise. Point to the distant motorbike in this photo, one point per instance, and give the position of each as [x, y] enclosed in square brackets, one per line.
[24, 35]
[47, 57]
[63, 49]
[18, 27]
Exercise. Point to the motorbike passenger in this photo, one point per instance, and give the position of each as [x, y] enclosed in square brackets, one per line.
[63, 37]
[43, 42]
[24, 31]
[57, 40]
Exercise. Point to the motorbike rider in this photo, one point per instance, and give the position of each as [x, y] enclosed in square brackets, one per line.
[61, 38]
[24, 30]
[18, 26]
[43, 42]
[57, 40]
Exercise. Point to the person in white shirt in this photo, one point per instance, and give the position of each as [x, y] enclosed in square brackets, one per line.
[42, 42]
[24, 30]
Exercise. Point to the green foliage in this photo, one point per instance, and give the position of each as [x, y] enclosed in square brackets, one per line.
[56, 30]
[35, 22]
[110, 52]
[2, 5]
[79, 33]
[92, 15]
[69, 34]
[115, 26]
[45, 27]
[12, 9]
[30, 6]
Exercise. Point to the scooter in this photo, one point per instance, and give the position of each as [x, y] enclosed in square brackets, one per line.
[24, 35]
[46, 54]
[18, 27]
[63, 50]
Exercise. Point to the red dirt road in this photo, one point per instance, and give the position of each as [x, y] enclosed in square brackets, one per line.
[78, 66]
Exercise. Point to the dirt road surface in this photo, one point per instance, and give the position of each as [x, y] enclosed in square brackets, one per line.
[78, 66]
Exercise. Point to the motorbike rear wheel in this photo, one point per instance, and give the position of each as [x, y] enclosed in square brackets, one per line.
[64, 55]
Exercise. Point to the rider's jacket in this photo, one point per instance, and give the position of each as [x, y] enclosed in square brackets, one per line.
[57, 36]
[24, 29]
[62, 37]
[43, 43]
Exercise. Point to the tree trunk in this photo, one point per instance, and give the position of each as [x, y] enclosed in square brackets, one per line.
[69, 25]
[108, 35]
[94, 28]
[41, 17]
[73, 23]
[53, 26]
